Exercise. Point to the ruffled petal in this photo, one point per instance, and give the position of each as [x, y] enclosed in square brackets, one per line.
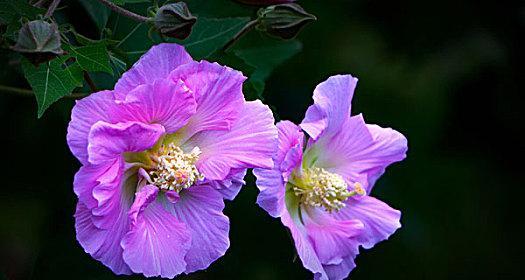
[332, 106]
[102, 244]
[89, 176]
[272, 189]
[200, 208]
[231, 186]
[304, 247]
[156, 242]
[109, 141]
[163, 102]
[358, 150]
[380, 220]
[99, 106]
[157, 63]
[218, 92]
[333, 240]
[290, 146]
[250, 143]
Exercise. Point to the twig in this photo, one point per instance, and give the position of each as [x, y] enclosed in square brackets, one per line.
[52, 8]
[123, 11]
[27, 92]
[90, 82]
[247, 28]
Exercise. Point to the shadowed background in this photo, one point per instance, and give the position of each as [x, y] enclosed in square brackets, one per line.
[444, 73]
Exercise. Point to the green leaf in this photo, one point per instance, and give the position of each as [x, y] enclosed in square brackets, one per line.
[122, 2]
[52, 80]
[92, 58]
[209, 35]
[265, 59]
[98, 12]
[11, 10]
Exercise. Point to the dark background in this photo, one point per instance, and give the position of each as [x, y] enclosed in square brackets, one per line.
[445, 73]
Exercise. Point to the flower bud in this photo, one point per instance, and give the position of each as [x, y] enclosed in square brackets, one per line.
[38, 36]
[283, 21]
[174, 20]
[265, 2]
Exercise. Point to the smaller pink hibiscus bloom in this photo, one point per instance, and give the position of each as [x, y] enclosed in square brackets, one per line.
[159, 154]
[320, 188]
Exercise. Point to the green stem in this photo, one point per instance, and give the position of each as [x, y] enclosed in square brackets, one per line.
[123, 11]
[27, 92]
[247, 28]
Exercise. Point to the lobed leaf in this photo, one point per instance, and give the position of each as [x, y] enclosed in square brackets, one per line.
[92, 58]
[52, 80]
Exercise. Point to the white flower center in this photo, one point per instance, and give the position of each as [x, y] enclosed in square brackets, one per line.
[175, 170]
[320, 188]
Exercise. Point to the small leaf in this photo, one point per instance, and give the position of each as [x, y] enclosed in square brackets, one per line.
[92, 58]
[98, 12]
[209, 35]
[52, 80]
[265, 59]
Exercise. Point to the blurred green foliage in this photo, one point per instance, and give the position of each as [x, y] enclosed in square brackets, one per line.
[445, 73]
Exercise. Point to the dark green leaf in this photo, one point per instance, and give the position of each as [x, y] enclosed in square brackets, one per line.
[264, 59]
[52, 80]
[92, 58]
[122, 2]
[98, 12]
[11, 10]
[209, 35]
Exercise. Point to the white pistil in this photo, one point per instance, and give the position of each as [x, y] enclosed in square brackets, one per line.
[175, 170]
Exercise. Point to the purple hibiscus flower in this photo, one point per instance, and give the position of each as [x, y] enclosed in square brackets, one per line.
[320, 188]
[159, 154]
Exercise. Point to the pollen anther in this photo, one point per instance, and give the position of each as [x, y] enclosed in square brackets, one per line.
[175, 170]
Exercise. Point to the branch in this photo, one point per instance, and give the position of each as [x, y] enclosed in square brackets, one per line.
[123, 11]
[27, 92]
[52, 8]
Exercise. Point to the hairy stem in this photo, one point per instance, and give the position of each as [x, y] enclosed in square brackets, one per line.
[52, 7]
[123, 11]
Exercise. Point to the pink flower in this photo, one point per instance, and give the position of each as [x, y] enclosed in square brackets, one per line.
[159, 154]
[320, 187]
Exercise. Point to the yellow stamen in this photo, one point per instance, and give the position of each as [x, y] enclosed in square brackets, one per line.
[175, 170]
[320, 188]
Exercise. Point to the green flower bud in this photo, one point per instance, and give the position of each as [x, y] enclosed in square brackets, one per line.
[38, 36]
[283, 21]
[174, 20]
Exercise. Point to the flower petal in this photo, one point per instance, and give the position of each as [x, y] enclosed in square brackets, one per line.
[156, 242]
[96, 107]
[109, 141]
[380, 220]
[290, 146]
[272, 189]
[304, 247]
[250, 143]
[332, 239]
[332, 105]
[163, 102]
[102, 244]
[200, 208]
[218, 92]
[89, 176]
[157, 63]
[231, 186]
[358, 150]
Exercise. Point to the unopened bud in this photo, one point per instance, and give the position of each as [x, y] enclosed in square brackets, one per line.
[38, 36]
[283, 21]
[174, 20]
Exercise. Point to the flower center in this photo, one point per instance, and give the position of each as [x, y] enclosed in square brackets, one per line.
[320, 188]
[175, 170]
